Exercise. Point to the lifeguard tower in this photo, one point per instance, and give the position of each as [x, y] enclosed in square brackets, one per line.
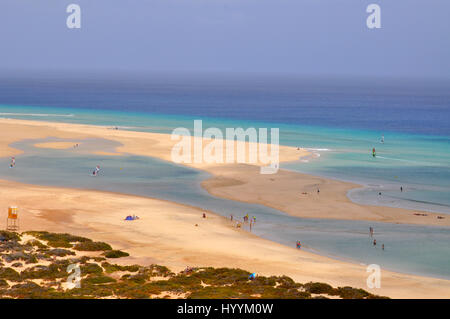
[12, 222]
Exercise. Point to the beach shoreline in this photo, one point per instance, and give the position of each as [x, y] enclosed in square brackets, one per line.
[239, 182]
[176, 235]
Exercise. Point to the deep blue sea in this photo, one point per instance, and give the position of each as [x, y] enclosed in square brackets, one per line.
[339, 121]
[378, 105]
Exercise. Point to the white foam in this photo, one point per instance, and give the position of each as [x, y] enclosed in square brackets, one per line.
[318, 149]
[402, 160]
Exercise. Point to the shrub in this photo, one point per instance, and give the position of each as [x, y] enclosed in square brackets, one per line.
[57, 240]
[158, 270]
[7, 236]
[97, 280]
[60, 252]
[221, 276]
[89, 268]
[60, 244]
[115, 254]
[286, 282]
[36, 243]
[139, 278]
[57, 237]
[26, 285]
[51, 271]
[319, 288]
[92, 246]
[9, 274]
[110, 268]
[215, 293]
[352, 293]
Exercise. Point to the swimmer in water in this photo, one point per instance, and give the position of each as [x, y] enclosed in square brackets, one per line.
[96, 170]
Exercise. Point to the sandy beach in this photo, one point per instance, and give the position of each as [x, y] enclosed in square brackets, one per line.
[176, 236]
[242, 182]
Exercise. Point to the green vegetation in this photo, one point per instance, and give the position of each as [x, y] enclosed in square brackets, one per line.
[100, 279]
[60, 252]
[319, 288]
[7, 236]
[57, 237]
[97, 280]
[115, 254]
[36, 243]
[9, 274]
[109, 268]
[58, 240]
[92, 246]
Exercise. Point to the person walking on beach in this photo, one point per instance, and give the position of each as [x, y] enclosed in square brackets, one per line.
[299, 244]
[401, 188]
[371, 231]
[13, 162]
[231, 217]
[374, 242]
[382, 247]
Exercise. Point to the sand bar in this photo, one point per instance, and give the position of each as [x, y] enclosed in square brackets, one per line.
[242, 182]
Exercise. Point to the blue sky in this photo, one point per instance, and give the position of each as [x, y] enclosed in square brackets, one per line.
[301, 37]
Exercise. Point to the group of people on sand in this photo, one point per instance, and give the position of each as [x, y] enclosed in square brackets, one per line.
[245, 219]
[371, 232]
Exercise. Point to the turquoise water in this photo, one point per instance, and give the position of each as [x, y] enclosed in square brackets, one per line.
[411, 249]
[418, 163]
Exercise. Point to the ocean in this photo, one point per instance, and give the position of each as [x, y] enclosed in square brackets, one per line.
[338, 121]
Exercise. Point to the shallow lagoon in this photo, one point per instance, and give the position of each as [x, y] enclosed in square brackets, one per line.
[419, 250]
